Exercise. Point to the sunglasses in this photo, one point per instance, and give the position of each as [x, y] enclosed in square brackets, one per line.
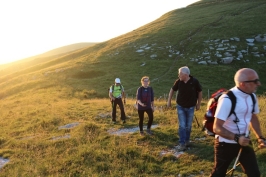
[256, 81]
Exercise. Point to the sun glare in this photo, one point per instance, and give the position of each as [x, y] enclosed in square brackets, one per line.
[32, 27]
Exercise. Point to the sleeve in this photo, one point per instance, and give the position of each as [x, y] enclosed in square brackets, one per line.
[110, 90]
[175, 86]
[198, 86]
[223, 107]
[138, 94]
[152, 95]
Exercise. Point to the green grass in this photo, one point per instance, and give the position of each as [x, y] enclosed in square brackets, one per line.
[29, 132]
[38, 98]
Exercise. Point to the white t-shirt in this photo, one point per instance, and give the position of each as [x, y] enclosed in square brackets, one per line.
[243, 110]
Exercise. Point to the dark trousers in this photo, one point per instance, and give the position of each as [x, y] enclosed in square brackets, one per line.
[118, 101]
[141, 118]
[225, 153]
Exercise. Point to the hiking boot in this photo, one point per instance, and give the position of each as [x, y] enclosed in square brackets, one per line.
[188, 144]
[142, 133]
[180, 147]
[148, 131]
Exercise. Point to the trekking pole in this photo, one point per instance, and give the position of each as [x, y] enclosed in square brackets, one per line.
[112, 102]
[196, 120]
[239, 153]
[237, 165]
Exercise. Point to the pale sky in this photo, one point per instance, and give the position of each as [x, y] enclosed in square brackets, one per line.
[32, 27]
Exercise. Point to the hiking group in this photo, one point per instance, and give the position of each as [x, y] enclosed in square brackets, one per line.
[232, 113]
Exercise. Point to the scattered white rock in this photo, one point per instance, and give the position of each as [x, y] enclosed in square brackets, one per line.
[251, 44]
[227, 54]
[255, 48]
[123, 131]
[219, 55]
[143, 64]
[237, 39]
[240, 56]
[140, 50]
[3, 162]
[250, 40]
[260, 38]
[153, 56]
[224, 41]
[144, 46]
[213, 62]
[202, 63]
[231, 50]
[227, 60]
[61, 137]
[68, 126]
[205, 53]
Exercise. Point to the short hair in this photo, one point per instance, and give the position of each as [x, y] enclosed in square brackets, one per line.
[184, 70]
[145, 77]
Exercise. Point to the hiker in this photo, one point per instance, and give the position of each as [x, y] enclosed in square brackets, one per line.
[231, 130]
[116, 93]
[188, 99]
[145, 99]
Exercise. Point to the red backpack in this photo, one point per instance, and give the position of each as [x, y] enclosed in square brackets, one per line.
[212, 105]
[211, 108]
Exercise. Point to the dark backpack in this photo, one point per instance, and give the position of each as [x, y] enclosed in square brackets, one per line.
[212, 105]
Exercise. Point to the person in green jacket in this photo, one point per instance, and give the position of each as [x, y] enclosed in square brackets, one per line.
[116, 94]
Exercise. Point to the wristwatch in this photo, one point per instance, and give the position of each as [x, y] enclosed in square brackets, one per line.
[236, 138]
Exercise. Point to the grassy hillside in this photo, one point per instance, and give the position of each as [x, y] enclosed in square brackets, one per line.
[6, 69]
[183, 30]
[41, 96]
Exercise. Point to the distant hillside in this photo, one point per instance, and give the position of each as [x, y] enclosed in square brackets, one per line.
[44, 57]
[65, 49]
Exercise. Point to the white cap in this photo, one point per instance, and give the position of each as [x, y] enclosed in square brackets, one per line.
[117, 80]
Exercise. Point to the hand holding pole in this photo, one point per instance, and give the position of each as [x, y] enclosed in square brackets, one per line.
[239, 153]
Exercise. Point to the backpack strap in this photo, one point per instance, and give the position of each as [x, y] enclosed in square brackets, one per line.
[254, 102]
[141, 89]
[232, 97]
[113, 87]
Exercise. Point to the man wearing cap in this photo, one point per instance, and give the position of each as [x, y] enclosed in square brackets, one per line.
[116, 93]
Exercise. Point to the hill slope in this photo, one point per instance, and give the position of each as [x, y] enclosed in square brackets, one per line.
[174, 39]
[44, 57]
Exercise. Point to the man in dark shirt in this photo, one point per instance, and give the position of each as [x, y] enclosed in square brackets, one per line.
[188, 99]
